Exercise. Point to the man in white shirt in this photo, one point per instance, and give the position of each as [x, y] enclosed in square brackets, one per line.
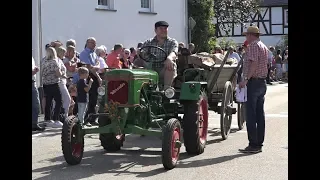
[35, 100]
[234, 54]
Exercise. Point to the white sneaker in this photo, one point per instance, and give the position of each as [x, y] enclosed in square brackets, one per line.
[49, 123]
[57, 124]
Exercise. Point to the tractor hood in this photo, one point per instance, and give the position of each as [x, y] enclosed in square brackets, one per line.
[132, 74]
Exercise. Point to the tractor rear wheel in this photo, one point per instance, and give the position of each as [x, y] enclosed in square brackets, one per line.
[195, 125]
[109, 141]
[171, 143]
[72, 141]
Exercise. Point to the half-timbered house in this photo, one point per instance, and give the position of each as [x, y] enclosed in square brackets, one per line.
[272, 20]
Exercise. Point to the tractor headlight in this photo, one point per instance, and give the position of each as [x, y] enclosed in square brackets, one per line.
[169, 93]
[101, 91]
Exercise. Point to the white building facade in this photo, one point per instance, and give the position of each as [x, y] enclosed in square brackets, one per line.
[110, 21]
[272, 20]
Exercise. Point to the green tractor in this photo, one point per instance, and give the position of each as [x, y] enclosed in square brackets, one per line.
[132, 103]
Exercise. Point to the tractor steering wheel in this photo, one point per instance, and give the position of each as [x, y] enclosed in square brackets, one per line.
[152, 53]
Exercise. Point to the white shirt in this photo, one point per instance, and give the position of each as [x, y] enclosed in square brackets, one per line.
[235, 56]
[102, 63]
[33, 66]
[63, 70]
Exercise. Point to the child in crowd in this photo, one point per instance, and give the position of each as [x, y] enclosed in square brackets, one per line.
[73, 89]
[82, 92]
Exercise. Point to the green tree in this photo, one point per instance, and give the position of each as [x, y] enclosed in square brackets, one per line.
[282, 43]
[285, 40]
[225, 43]
[202, 35]
[236, 11]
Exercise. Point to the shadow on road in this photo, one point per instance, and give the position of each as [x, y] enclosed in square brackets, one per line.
[208, 162]
[99, 162]
[125, 161]
[215, 132]
[48, 132]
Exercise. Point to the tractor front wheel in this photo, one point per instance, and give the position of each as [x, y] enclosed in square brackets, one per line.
[72, 141]
[195, 125]
[110, 141]
[171, 143]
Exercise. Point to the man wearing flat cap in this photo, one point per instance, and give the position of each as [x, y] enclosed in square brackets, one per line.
[167, 70]
[255, 70]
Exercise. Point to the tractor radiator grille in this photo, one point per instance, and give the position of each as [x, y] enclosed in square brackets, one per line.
[118, 91]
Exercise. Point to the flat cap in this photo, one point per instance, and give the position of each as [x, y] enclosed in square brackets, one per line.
[161, 23]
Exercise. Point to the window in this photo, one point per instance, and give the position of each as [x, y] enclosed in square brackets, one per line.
[106, 5]
[146, 5]
[285, 14]
[103, 3]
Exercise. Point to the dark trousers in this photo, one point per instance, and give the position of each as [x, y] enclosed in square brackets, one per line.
[52, 91]
[93, 98]
[268, 75]
[256, 90]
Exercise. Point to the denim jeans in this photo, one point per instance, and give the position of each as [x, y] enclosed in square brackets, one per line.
[256, 90]
[35, 104]
[82, 107]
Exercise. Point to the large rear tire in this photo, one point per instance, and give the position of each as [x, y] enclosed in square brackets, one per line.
[109, 141]
[72, 141]
[195, 125]
[171, 143]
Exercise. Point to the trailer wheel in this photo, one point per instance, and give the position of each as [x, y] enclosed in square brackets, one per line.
[109, 141]
[171, 143]
[241, 115]
[72, 141]
[225, 118]
[195, 125]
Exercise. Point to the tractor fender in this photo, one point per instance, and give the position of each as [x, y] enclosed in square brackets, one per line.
[190, 90]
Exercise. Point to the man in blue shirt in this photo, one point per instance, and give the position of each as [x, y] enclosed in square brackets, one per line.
[90, 58]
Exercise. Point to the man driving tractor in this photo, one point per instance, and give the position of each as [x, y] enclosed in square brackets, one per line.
[167, 70]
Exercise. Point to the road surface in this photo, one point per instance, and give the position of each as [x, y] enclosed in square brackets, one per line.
[140, 158]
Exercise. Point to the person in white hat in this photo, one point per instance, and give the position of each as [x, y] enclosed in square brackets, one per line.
[255, 70]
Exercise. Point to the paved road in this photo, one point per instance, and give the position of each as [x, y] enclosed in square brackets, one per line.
[137, 160]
